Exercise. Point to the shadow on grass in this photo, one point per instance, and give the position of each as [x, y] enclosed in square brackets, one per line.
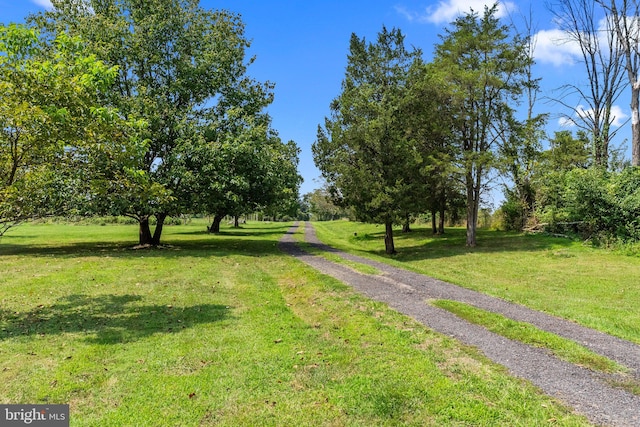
[107, 319]
[207, 246]
[243, 230]
[250, 240]
[421, 244]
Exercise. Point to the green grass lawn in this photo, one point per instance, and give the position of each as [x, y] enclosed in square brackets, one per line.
[595, 287]
[226, 330]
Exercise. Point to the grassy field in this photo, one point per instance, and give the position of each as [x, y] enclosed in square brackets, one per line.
[225, 330]
[595, 287]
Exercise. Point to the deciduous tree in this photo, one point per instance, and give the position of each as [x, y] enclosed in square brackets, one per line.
[602, 56]
[239, 166]
[58, 140]
[176, 63]
[624, 18]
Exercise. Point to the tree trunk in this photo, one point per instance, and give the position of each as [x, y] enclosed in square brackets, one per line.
[406, 227]
[389, 247]
[601, 148]
[471, 228]
[145, 232]
[635, 125]
[433, 222]
[236, 221]
[215, 226]
[472, 209]
[441, 219]
[157, 233]
[623, 28]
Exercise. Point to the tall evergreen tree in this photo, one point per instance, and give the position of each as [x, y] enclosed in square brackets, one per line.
[486, 69]
[363, 149]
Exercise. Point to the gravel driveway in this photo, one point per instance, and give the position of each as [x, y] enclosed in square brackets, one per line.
[588, 392]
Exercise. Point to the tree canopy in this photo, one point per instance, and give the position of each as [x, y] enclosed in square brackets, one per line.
[363, 150]
[58, 137]
[403, 133]
[487, 69]
[146, 109]
[181, 69]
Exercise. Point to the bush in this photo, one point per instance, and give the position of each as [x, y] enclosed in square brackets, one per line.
[512, 215]
[589, 200]
[625, 193]
[600, 205]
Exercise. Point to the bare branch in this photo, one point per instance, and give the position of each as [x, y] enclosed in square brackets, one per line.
[601, 53]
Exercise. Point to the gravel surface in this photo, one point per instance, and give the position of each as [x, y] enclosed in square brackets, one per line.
[588, 392]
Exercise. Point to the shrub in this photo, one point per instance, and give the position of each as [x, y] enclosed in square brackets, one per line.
[588, 199]
[513, 215]
[600, 205]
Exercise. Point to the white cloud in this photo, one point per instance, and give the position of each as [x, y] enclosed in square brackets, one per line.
[560, 48]
[448, 10]
[410, 16]
[43, 3]
[554, 47]
[566, 122]
[618, 116]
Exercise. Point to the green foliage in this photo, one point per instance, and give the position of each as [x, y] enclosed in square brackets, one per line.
[588, 199]
[58, 139]
[626, 196]
[486, 70]
[428, 108]
[565, 154]
[363, 150]
[179, 65]
[521, 154]
[606, 204]
[513, 213]
[321, 206]
[240, 166]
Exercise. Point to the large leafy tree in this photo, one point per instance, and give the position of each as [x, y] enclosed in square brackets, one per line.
[363, 149]
[243, 167]
[486, 69]
[177, 63]
[321, 206]
[58, 140]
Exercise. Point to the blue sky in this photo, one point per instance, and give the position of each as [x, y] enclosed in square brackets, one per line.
[302, 46]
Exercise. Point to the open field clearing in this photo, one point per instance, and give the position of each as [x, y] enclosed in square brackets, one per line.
[226, 330]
